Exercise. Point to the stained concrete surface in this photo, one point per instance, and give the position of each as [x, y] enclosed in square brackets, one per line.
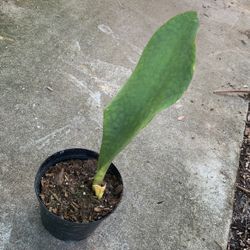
[178, 173]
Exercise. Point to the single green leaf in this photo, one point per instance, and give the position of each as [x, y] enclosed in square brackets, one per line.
[162, 74]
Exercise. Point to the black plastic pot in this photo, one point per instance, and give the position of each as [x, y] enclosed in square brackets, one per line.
[58, 227]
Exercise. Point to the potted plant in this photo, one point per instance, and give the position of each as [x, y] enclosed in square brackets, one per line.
[77, 188]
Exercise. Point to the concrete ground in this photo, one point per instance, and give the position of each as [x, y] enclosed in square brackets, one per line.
[62, 61]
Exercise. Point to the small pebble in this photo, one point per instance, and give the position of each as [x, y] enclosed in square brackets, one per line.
[49, 88]
[180, 118]
[97, 209]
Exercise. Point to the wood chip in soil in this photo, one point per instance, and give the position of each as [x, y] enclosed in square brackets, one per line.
[66, 190]
[239, 237]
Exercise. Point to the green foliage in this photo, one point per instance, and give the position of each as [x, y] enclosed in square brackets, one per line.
[162, 74]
